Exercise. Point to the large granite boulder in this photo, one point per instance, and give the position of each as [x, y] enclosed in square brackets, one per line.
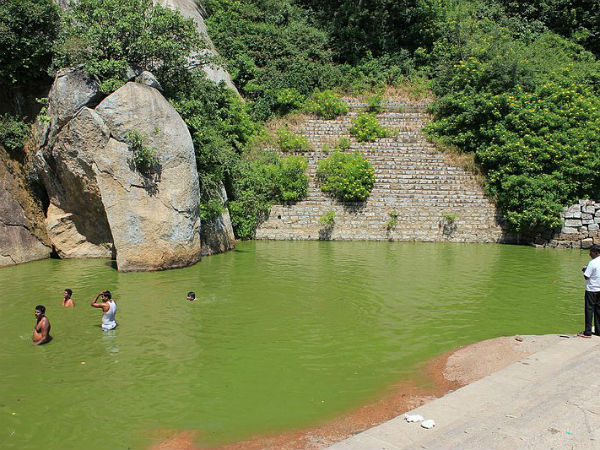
[102, 204]
[155, 223]
[217, 234]
[20, 240]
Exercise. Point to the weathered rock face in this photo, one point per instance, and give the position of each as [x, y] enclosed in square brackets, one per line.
[154, 223]
[217, 235]
[72, 89]
[191, 9]
[76, 219]
[100, 204]
[19, 240]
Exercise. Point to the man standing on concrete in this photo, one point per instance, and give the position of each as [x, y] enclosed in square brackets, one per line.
[591, 273]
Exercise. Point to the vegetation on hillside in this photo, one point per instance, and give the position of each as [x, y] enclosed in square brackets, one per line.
[28, 29]
[516, 83]
[111, 36]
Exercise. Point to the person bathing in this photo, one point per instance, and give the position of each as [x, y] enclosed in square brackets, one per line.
[104, 300]
[41, 331]
[67, 300]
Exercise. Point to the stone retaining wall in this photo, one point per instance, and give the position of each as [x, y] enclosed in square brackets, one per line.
[431, 198]
[581, 226]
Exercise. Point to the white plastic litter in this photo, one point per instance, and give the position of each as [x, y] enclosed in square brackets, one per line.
[413, 417]
[429, 423]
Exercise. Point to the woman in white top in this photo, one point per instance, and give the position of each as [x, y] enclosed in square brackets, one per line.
[109, 307]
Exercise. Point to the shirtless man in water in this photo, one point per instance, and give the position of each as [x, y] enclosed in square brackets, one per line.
[41, 331]
[67, 300]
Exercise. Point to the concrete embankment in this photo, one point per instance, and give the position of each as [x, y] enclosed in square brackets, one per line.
[548, 399]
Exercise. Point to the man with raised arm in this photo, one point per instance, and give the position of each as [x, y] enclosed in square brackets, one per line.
[108, 305]
[41, 331]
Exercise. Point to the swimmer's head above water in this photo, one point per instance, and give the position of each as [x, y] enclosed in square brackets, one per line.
[40, 310]
[191, 296]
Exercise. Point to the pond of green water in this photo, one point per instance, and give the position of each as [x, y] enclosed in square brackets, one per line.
[283, 335]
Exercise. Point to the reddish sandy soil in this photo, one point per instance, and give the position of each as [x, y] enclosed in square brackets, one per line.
[447, 372]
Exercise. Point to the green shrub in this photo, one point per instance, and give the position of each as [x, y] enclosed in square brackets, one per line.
[211, 210]
[290, 179]
[288, 100]
[374, 103]
[343, 144]
[108, 36]
[13, 133]
[326, 105]
[530, 113]
[270, 46]
[27, 31]
[328, 220]
[220, 127]
[346, 176]
[144, 157]
[366, 128]
[261, 178]
[288, 141]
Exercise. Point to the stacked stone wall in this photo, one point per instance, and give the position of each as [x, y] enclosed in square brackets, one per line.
[580, 226]
[431, 198]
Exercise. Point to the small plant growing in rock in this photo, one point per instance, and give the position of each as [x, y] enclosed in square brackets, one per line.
[326, 105]
[43, 114]
[449, 218]
[328, 220]
[393, 220]
[374, 103]
[366, 128]
[343, 144]
[448, 224]
[144, 157]
[346, 176]
[288, 141]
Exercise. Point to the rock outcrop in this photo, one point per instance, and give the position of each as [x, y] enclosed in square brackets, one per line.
[217, 234]
[20, 240]
[101, 204]
[191, 9]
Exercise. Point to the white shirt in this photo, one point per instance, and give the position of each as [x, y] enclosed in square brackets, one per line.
[592, 284]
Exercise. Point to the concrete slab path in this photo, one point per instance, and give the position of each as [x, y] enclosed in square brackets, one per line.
[548, 400]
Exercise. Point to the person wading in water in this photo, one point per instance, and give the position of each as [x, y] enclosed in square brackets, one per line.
[41, 331]
[109, 307]
[67, 300]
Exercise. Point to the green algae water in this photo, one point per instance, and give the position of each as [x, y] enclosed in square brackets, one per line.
[283, 335]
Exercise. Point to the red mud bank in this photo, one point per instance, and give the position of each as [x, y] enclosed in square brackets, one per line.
[446, 373]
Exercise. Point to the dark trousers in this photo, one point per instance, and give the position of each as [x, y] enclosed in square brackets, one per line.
[592, 309]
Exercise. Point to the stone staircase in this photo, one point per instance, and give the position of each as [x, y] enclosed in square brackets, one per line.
[412, 181]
